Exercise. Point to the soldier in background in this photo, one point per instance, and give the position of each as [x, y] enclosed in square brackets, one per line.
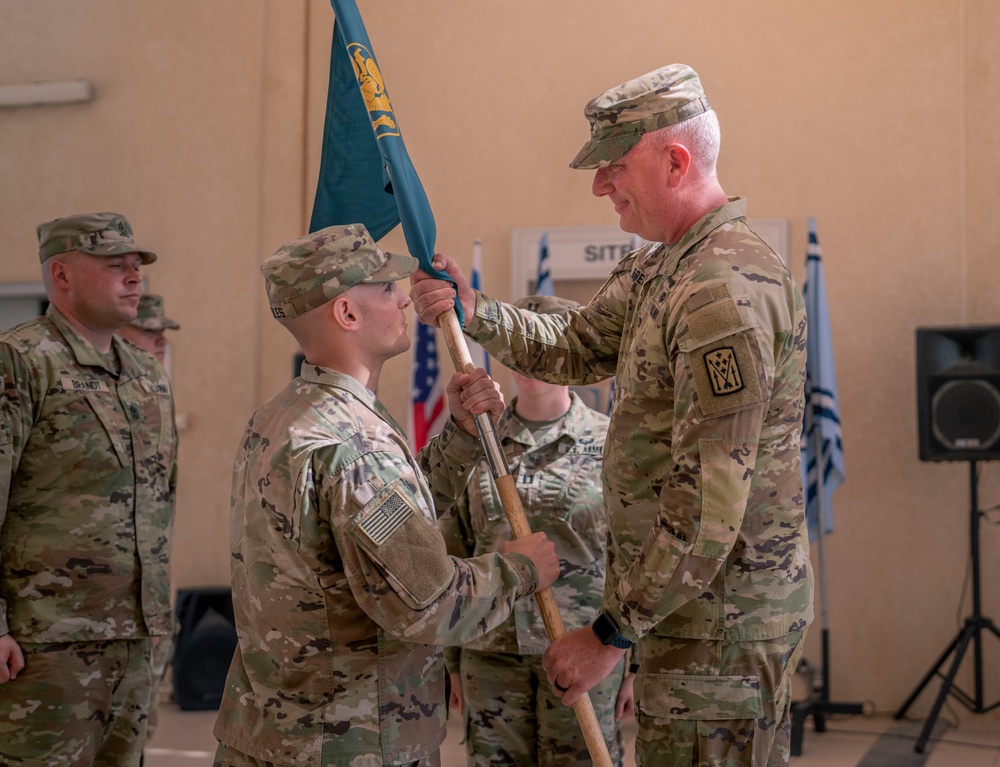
[87, 480]
[147, 330]
[343, 590]
[704, 331]
[553, 444]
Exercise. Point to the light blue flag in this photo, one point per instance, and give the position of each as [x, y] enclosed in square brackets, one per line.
[543, 277]
[366, 175]
[821, 435]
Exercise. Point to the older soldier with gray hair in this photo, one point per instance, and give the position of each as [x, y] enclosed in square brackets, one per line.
[704, 330]
[343, 589]
[87, 480]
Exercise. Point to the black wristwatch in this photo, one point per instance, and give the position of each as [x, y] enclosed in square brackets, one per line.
[607, 632]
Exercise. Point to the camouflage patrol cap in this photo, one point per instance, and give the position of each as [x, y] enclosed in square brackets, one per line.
[318, 267]
[619, 117]
[546, 304]
[99, 234]
[150, 314]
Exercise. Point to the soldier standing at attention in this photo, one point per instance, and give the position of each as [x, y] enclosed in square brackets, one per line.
[343, 589]
[553, 444]
[705, 332]
[87, 477]
[147, 330]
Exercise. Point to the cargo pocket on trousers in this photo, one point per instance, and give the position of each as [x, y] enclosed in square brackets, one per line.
[703, 715]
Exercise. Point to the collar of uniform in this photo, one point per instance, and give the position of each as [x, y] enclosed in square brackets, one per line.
[83, 351]
[513, 428]
[735, 208]
[328, 377]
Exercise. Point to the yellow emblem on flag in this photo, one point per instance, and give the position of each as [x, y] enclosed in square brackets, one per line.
[723, 371]
[373, 90]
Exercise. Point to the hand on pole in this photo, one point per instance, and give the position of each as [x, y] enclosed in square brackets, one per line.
[541, 551]
[433, 297]
[471, 394]
[577, 661]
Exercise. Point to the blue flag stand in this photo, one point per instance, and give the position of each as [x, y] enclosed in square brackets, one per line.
[974, 625]
[818, 705]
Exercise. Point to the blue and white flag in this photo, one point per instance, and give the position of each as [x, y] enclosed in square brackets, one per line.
[543, 277]
[480, 358]
[821, 435]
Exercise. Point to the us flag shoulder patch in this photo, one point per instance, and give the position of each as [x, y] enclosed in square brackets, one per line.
[723, 371]
[380, 523]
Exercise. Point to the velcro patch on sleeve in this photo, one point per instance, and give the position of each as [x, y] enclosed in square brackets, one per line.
[722, 353]
[381, 522]
[725, 375]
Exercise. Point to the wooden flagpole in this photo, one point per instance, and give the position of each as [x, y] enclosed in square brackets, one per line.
[583, 708]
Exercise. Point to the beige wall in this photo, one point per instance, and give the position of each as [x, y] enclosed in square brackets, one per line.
[876, 118]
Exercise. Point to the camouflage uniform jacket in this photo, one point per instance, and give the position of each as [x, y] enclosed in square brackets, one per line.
[87, 477]
[701, 466]
[342, 586]
[559, 482]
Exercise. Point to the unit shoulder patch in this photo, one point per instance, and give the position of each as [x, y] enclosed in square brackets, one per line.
[723, 369]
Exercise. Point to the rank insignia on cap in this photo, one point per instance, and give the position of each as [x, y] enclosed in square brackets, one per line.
[385, 519]
[723, 371]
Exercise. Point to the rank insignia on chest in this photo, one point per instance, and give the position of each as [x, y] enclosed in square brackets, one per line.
[381, 522]
[723, 371]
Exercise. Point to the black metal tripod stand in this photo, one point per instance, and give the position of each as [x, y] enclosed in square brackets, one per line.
[974, 625]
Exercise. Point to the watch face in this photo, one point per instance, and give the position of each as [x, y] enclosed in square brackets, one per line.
[605, 629]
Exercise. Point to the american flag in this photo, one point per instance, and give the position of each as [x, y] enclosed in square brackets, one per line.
[427, 413]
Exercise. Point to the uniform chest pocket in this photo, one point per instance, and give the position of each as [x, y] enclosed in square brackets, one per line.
[86, 434]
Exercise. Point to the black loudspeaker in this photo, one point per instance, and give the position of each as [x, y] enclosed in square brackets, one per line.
[958, 393]
[205, 646]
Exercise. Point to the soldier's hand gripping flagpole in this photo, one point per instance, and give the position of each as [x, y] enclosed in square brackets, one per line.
[511, 501]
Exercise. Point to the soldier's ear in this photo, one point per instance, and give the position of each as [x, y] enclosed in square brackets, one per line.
[344, 313]
[57, 270]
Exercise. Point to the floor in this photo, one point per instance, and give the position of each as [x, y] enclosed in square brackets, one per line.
[961, 739]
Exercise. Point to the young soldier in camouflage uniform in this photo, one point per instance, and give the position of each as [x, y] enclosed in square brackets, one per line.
[704, 330]
[342, 585]
[87, 478]
[147, 329]
[553, 444]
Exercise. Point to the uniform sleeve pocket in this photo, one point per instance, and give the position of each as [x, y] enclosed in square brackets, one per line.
[723, 358]
[404, 545]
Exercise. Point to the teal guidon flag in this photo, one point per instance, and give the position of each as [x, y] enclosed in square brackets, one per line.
[365, 173]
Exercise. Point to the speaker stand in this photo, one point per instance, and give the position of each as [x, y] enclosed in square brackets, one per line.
[971, 632]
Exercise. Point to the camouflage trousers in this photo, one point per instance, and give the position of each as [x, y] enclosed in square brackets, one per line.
[163, 653]
[225, 756]
[706, 703]
[77, 703]
[512, 717]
